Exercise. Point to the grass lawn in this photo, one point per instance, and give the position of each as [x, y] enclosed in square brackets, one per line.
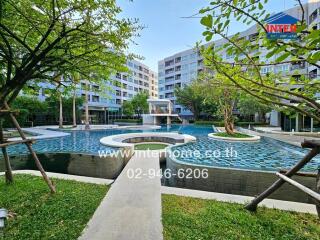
[190, 218]
[40, 215]
[235, 135]
[150, 146]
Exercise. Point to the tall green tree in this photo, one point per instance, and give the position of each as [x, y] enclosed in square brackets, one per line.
[216, 88]
[42, 39]
[140, 104]
[192, 97]
[248, 105]
[39, 38]
[127, 108]
[245, 67]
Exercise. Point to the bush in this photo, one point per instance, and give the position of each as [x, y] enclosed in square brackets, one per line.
[215, 123]
[245, 124]
[123, 120]
[237, 124]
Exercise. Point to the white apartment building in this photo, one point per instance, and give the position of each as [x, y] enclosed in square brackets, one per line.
[105, 102]
[181, 68]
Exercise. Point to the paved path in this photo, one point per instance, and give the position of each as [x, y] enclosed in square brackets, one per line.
[132, 208]
[41, 134]
[292, 139]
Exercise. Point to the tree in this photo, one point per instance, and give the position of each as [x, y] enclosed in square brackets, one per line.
[140, 104]
[244, 70]
[127, 108]
[191, 98]
[216, 88]
[248, 105]
[40, 40]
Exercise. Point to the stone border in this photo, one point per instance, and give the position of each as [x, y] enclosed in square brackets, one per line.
[236, 181]
[130, 139]
[250, 139]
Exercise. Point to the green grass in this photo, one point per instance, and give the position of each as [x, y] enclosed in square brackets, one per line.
[235, 135]
[190, 218]
[150, 146]
[40, 215]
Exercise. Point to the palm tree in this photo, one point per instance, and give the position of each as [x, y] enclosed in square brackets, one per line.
[87, 124]
[74, 115]
[60, 111]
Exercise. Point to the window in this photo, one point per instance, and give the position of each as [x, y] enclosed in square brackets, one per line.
[265, 70]
[118, 75]
[253, 37]
[313, 16]
[170, 70]
[95, 98]
[184, 58]
[95, 88]
[193, 55]
[169, 63]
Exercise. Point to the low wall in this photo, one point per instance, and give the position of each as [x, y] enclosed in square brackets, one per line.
[75, 164]
[240, 182]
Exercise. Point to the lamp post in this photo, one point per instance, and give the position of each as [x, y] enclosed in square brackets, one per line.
[3, 216]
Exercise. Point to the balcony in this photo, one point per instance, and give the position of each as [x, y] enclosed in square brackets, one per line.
[313, 74]
[169, 63]
[297, 66]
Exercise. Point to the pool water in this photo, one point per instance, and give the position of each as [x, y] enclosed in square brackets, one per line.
[267, 154]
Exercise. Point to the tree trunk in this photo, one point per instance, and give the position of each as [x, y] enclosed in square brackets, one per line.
[8, 172]
[33, 154]
[87, 124]
[228, 120]
[74, 115]
[60, 112]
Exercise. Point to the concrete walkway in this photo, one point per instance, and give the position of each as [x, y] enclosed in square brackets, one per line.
[132, 208]
[41, 133]
[284, 137]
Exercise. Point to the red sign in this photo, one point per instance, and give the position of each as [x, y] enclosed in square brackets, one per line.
[281, 28]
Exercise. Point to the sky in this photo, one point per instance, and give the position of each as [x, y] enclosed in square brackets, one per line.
[167, 31]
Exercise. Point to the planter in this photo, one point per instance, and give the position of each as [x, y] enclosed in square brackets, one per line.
[234, 139]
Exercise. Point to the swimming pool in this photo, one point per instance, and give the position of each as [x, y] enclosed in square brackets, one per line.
[267, 154]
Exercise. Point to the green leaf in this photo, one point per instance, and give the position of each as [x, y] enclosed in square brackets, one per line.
[283, 57]
[207, 21]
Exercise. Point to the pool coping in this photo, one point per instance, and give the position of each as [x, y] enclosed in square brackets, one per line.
[118, 140]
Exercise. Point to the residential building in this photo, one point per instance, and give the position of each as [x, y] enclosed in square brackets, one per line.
[181, 68]
[105, 102]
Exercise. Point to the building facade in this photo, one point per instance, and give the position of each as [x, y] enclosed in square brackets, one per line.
[181, 68]
[105, 102]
